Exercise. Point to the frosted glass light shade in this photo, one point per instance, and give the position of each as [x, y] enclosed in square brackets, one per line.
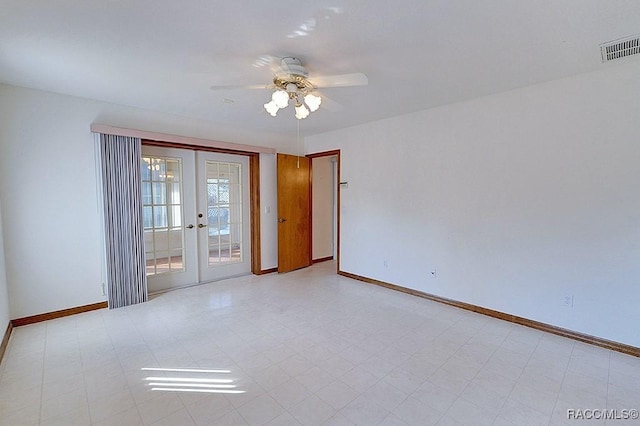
[271, 108]
[313, 102]
[280, 98]
[301, 112]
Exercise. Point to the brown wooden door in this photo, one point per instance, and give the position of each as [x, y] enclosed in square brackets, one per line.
[294, 230]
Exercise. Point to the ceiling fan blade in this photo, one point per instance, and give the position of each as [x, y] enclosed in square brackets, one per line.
[341, 80]
[241, 86]
[329, 104]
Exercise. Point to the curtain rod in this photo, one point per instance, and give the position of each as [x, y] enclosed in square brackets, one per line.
[184, 140]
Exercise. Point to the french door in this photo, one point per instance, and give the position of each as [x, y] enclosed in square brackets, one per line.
[195, 216]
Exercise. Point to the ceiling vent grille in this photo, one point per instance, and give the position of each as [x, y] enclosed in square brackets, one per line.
[620, 48]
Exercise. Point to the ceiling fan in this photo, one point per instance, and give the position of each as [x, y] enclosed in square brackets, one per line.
[292, 82]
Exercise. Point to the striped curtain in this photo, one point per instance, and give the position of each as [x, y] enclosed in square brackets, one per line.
[123, 229]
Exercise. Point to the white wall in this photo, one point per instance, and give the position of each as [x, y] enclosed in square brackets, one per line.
[4, 292]
[322, 208]
[48, 192]
[515, 200]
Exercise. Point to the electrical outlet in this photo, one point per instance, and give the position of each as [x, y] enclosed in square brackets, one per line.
[385, 263]
[568, 301]
[433, 273]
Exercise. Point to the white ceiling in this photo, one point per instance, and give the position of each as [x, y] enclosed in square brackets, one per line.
[164, 55]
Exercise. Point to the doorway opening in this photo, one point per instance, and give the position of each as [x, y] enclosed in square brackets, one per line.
[325, 206]
[303, 221]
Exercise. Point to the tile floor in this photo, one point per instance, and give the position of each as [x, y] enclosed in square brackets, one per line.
[308, 347]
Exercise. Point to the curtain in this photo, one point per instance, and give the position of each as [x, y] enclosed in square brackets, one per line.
[126, 280]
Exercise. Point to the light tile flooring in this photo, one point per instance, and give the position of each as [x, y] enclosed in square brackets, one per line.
[308, 347]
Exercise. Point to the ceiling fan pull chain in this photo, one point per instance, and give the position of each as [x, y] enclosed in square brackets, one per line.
[298, 140]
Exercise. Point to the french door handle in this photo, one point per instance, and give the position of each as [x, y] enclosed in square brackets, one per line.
[281, 220]
[190, 226]
[201, 225]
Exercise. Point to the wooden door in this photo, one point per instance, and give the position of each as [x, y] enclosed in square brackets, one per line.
[294, 230]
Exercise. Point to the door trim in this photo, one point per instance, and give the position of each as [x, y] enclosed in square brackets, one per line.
[254, 191]
[254, 213]
[332, 153]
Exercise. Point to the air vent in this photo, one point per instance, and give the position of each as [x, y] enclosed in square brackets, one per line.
[620, 48]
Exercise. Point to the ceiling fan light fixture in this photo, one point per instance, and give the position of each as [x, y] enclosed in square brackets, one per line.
[291, 83]
[280, 98]
[312, 101]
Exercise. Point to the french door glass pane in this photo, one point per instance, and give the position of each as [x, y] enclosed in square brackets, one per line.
[159, 216]
[159, 192]
[162, 214]
[224, 212]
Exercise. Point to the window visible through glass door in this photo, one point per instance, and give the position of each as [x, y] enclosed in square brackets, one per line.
[162, 214]
[224, 212]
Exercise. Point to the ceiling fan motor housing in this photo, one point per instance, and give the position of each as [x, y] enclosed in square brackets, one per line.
[293, 66]
[292, 73]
